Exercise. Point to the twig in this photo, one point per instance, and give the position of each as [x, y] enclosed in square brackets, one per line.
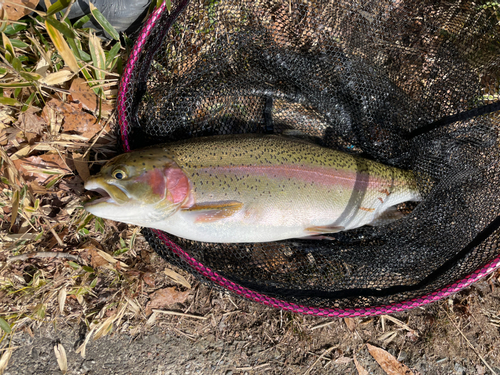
[319, 359]
[322, 325]
[469, 343]
[230, 300]
[252, 368]
[59, 241]
[67, 10]
[190, 337]
[401, 324]
[43, 254]
[231, 312]
[218, 362]
[96, 138]
[168, 312]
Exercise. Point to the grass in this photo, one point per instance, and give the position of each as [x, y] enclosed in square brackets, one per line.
[58, 84]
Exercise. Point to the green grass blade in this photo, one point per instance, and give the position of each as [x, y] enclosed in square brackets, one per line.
[58, 6]
[8, 46]
[79, 24]
[5, 326]
[98, 57]
[18, 43]
[112, 54]
[31, 77]
[10, 101]
[104, 22]
[62, 27]
[16, 64]
[25, 108]
[74, 48]
[14, 85]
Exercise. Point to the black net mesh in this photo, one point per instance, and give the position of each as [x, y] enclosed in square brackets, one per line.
[375, 78]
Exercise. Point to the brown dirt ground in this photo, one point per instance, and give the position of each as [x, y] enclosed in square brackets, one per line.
[459, 335]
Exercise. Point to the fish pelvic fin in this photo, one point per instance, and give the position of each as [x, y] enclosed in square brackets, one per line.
[208, 212]
[316, 230]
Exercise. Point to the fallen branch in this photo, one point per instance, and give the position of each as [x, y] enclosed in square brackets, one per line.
[43, 254]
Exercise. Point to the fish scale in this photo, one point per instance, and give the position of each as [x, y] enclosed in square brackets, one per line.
[252, 188]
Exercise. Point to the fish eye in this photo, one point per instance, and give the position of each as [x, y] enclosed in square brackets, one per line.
[119, 174]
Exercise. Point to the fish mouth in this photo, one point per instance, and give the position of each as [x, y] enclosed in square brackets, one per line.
[110, 194]
[105, 197]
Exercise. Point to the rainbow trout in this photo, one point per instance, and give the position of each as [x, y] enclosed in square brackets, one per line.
[248, 188]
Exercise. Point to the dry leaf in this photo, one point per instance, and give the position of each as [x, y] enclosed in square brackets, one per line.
[105, 327]
[148, 279]
[350, 323]
[111, 260]
[177, 278]
[5, 116]
[57, 78]
[98, 56]
[343, 360]
[61, 299]
[62, 47]
[15, 208]
[361, 369]
[53, 115]
[81, 92]
[62, 361]
[95, 259]
[31, 123]
[37, 188]
[82, 166]
[164, 298]
[152, 319]
[41, 168]
[4, 361]
[71, 117]
[401, 324]
[388, 337]
[133, 305]
[17, 9]
[82, 348]
[388, 362]
[80, 122]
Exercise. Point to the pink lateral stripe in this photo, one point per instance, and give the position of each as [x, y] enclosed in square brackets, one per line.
[329, 312]
[321, 175]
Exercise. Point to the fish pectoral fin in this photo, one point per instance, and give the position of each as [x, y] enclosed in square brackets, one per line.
[313, 231]
[207, 212]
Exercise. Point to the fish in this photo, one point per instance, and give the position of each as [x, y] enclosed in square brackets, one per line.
[248, 188]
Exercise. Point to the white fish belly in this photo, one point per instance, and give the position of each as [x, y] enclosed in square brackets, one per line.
[279, 225]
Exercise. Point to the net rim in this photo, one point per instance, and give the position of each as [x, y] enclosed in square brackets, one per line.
[124, 123]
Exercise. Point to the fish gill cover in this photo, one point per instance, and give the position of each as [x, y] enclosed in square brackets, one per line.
[409, 84]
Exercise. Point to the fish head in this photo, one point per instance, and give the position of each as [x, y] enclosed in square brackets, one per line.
[139, 187]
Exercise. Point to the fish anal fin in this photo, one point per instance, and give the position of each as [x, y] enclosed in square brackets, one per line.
[315, 230]
[318, 237]
[207, 212]
[388, 216]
